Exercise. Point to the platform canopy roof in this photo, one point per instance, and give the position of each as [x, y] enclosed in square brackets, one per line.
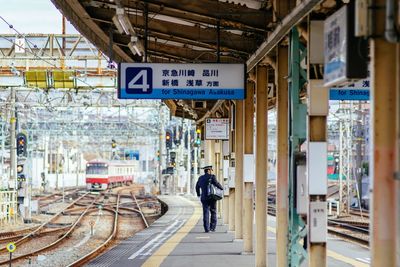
[187, 31]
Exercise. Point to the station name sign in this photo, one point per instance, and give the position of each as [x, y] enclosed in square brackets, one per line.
[181, 81]
[357, 91]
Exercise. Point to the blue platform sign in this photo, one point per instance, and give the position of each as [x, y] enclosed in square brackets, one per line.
[181, 81]
[357, 91]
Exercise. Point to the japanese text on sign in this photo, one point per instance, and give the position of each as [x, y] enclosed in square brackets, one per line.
[335, 38]
[181, 81]
[217, 129]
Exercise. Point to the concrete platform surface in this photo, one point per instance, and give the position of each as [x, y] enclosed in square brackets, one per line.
[178, 239]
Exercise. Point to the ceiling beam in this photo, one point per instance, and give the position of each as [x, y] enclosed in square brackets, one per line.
[281, 30]
[232, 15]
[189, 54]
[224, 11]
[206, 36]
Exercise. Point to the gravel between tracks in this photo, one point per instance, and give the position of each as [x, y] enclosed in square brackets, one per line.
[80, 242]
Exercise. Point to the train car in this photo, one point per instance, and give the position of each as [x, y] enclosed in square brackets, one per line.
[104, 174]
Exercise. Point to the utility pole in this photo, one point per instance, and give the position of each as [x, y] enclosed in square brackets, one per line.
[13, 157]
[359, 154]
[161, 147]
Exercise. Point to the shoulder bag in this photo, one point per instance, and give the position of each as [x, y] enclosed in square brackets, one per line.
[214, 192]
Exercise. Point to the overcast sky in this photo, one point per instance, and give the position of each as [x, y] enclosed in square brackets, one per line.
[31, 16]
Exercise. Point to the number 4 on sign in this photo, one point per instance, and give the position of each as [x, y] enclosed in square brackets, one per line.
[134, 83]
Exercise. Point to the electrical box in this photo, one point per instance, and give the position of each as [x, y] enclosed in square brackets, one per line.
[316, 51]
[248, 168]
[318, 97]
[301, 190]
[317, 222]
[317, 168]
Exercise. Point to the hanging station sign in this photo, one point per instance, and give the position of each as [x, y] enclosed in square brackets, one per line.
[181, 81]
[345, 55]
[217, 129]
[357, 91]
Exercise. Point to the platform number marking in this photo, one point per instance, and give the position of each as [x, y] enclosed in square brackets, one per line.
[139, 80]
[11, 247]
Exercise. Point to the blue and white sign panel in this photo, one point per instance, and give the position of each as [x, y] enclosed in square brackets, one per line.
[181, 81]
[335, 38]
[358, 91]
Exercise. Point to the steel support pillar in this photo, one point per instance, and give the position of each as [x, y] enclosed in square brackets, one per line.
[282, 190]
[248, 213]
[297, 135]
[239, 169]
[384, 119]
[261, 161]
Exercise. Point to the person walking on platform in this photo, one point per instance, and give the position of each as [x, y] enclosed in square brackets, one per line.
[209, 205]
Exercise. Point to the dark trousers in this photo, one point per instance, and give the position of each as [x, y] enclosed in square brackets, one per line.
[209, 206]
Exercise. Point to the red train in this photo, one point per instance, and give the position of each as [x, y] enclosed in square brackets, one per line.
[103, 174]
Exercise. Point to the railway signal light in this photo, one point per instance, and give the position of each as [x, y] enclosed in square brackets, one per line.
[21, 145]
[197, 141]
[20, 168]
[168, 139]
[113, 143]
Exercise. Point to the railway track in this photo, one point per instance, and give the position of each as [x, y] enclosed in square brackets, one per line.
[349, 235]
[98, 250]
[37, 230]
[51, 245]
[350, 230]
[94, 253]
[49, 238]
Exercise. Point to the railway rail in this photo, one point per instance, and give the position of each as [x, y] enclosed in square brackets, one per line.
[51, 245]
[98, 250]
[349, 230]
[57, 229]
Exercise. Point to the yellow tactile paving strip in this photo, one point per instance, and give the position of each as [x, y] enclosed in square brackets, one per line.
[158, 257]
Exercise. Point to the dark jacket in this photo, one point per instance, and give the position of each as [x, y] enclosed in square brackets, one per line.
[202, 184]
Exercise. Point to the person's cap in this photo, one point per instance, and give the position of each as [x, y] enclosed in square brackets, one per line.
[208, 167]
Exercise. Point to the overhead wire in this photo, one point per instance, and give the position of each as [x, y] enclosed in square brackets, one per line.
[35, 54]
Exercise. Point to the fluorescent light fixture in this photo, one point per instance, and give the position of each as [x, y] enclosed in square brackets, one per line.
[117, 24]
[135, 50]
[126, 24]
[122, 22]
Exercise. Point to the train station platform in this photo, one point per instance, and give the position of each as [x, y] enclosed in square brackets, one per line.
[178, 239]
